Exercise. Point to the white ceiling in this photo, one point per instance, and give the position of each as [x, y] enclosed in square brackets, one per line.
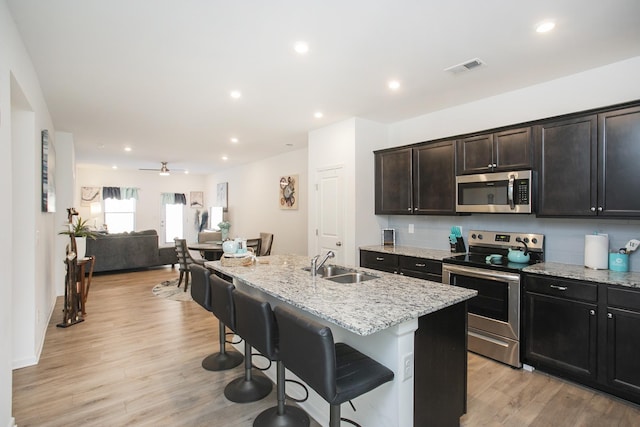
[156, 74]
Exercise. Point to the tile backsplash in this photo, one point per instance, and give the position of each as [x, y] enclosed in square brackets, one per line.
[564, 238]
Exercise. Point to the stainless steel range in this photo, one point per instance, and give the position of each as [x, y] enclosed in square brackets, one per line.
[489, 268]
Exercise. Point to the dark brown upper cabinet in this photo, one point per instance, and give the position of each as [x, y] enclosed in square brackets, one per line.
[588, 166]
[416, 180]
[493, 152]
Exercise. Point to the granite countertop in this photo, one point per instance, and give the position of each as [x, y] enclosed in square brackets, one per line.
[579, 272]
[435, 254]
[362, 308]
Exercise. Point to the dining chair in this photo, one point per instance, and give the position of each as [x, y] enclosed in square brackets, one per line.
[185, 261]
[266, 240]
[254, 244]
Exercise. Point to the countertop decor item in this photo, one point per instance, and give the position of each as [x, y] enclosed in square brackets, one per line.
[224, 227]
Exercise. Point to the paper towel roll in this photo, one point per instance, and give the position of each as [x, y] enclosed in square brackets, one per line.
[596, 251]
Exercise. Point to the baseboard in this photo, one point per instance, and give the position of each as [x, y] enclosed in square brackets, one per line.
[12, 422]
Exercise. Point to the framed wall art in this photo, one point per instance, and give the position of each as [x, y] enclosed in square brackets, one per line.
[196, 199]
[222, 195]
[48, 174]
[89, 195]
[288, 192]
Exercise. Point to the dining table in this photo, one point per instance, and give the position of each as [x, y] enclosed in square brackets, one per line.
[211, 251]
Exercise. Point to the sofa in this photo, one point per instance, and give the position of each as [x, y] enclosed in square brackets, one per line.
[127, 251]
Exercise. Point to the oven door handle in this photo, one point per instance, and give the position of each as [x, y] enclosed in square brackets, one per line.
[512, 203]
[495, 275]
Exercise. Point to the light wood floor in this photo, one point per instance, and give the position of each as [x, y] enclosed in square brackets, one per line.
[135, 361]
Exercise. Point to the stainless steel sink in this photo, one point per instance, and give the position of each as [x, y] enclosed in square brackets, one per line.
[327, 271]
[342, 274]
[353, 277]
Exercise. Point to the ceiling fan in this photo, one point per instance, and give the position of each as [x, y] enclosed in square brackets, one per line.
[164, 170]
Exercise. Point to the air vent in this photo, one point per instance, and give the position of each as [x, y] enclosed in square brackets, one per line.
[469, 65]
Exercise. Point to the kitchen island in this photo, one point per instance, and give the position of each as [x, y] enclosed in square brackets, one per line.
[416, 328]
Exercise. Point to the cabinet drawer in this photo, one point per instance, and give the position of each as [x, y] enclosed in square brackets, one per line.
[562, 288]
[379, 261]
[420, 264]
[623, 298]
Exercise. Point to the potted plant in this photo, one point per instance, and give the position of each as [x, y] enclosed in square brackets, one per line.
[80, 230]
[224, 227]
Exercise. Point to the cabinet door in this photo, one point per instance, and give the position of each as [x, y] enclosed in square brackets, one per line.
[434, 178]
[513, 149]
[394, 189]
[475, 154]
[567, 165]
[379, 261]
[619, 153]
[623, 339]
[561, 335]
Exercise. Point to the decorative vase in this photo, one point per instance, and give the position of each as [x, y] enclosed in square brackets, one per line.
[225, 233]
[81, 247]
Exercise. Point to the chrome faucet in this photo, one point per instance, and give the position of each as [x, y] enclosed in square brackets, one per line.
[314, 262]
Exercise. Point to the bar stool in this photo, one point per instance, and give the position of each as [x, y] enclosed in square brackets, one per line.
[337, 372]
[201, 293]
[252, 386]
[256, 324]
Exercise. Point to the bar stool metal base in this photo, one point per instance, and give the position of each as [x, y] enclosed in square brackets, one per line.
[252, 386]
[292, 417]
[242, 390]
[222, 361]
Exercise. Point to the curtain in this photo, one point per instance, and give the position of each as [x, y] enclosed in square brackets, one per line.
[111, 193]
[174, 199]
[120, 193]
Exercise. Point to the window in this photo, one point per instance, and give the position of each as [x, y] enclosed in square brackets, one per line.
[173, 222]
[120, 215]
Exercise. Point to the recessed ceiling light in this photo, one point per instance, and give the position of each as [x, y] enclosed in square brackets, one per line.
[186, 172]
[235, 94]
[318, 115]
[127, 149]
[394, 85]
[114, 167]
[234, 140]
[225, 158]
[545, 26]
[301, 47]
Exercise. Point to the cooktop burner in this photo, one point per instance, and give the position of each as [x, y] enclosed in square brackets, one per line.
[490, 250]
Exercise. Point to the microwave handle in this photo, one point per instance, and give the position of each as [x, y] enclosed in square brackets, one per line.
[512, 203]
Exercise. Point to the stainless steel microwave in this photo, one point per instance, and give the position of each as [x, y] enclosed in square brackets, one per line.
[500, 192]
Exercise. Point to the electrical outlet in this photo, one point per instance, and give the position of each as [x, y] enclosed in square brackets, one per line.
[407, 366]
[410, 228]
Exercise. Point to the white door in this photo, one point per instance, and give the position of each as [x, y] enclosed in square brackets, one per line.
[330, 219]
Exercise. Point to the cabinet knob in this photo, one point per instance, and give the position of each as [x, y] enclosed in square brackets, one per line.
[495, 165]
[609, 315]
[600, 209]
[489, 165]
[593, 208]
[338, 243]
[409, 209]
[415, 209]
[592, 312]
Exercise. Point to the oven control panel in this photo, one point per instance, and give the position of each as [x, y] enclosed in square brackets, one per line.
[535, 242]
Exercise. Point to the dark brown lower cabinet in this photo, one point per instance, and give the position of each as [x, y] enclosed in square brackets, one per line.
[420, 268]
[583, 331]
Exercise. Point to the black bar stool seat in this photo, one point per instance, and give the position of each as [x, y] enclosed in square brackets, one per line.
[256, 323]
[337, 372]
[252, 386]
[201, 293]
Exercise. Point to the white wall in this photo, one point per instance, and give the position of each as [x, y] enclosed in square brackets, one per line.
[608, 85]
[26, 273]
[348, 144]
[150, 185]
[253, 202]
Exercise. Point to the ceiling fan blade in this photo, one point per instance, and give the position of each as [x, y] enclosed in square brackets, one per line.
[143, 169]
